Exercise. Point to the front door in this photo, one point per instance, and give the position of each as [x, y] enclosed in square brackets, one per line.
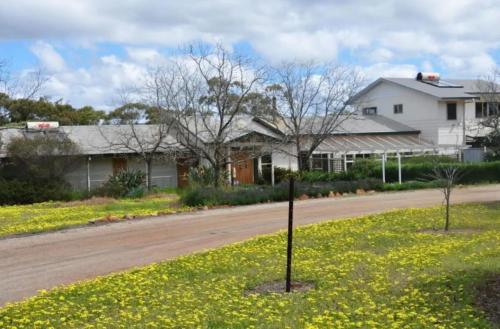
[119, 164]
[244, 168]
[182, 173]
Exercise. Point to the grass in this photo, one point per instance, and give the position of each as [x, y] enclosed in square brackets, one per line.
[382, 271]
[49, 216]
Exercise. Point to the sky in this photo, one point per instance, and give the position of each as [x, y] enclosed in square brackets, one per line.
[92, 49]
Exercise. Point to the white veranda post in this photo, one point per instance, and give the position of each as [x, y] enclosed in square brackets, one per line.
[399, 168]
[383, 167]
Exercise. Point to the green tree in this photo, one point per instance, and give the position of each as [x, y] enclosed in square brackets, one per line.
[43, 156]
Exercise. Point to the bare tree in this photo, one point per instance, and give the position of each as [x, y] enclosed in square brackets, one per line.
[26, 85]
[489, 109]
[149, 142]
[204, 94]
[311, 102]
[447, 176]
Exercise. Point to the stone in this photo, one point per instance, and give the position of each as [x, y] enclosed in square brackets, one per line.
[304, 197]
[360, 191]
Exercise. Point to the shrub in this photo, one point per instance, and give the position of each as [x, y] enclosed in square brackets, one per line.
[15, 191]
[125, 184]
[209, 196]
[474, 173]
[205, 176]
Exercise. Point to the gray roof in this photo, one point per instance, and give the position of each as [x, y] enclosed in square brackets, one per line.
[468, 88]
[106, 139]
[240, 126]
[375, 144]
[359, 124]
[112, 139]
[372, 124]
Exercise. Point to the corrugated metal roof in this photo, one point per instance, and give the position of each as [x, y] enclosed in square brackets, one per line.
[106, 139]
[111, 139]
[375, 144]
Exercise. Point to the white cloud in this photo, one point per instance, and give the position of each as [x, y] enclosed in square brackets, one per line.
[460, 37]
[378, 70]
[48, 56]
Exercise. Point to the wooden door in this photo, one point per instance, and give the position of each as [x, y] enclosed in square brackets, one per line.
[244, 168]
[182, 174]
[119, 164]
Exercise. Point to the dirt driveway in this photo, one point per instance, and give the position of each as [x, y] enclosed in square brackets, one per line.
[43, 261]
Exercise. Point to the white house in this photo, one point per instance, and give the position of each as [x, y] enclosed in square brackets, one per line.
[446, 112]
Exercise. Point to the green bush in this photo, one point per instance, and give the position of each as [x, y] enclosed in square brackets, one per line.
[210, 196]
[15, 191]
[206, 176]
[125, 184]
[481, 172]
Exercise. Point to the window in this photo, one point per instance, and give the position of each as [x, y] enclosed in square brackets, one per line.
[484, 109]
[451, 109]
[493, 109]
[481, 110]
[370, 111]
[398, 108]
[319, 161]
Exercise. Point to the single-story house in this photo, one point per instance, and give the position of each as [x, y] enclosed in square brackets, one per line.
[254, 146]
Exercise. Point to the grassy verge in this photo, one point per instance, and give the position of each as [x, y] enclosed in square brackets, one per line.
[50, 216]
[382, 271]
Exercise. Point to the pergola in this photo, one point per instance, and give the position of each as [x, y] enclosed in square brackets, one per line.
[340, 146]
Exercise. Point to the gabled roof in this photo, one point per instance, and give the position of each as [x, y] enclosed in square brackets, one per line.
[464, 88]
[108, 139]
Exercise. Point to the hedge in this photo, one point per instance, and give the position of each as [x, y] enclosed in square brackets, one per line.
[473, 173]
[209, 196]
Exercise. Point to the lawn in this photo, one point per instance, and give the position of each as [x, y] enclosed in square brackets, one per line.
[381, 271]
[50, 216]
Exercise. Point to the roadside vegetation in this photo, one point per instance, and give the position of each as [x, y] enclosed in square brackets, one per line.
[48, 216]
[392, 270]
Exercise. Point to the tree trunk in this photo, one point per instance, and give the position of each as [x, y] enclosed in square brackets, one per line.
[216, 176]
[149, 180]
[447, 221]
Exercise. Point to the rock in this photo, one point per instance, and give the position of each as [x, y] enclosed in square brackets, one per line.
[304, 197]
[338, 194]
[127, 217]
[205, 208]
[360, 191]
[332, 194]
[370, 192]
[319, 195]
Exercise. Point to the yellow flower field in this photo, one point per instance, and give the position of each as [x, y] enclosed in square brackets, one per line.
[49, 216]
[381, 271]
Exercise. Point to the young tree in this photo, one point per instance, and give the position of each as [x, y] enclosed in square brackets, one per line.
[204, 93]
[447, 176]
[311, 102]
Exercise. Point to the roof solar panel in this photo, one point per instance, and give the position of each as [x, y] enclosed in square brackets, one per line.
[442, 84]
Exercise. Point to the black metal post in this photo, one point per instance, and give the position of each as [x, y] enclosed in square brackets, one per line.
[290, 236]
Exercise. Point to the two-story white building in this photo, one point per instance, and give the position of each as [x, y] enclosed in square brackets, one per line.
[446, 112]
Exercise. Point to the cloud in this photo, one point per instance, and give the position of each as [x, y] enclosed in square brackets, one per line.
[387, 37]
[49, 58]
